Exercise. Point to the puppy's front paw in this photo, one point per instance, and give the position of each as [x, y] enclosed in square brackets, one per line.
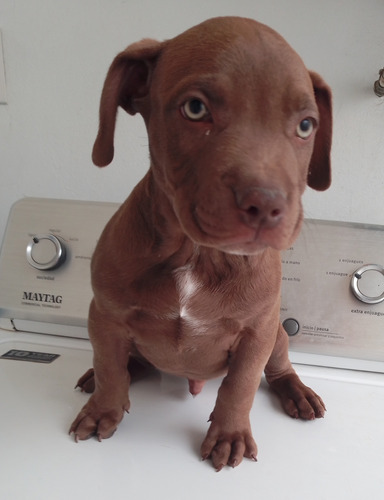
[298, 400]
[228, 447]
[95, 420]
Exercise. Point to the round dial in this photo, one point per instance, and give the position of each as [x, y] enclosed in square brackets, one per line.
[367, 283]
[45, 252]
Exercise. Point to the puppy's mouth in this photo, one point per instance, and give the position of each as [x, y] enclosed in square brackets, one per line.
[235, 234]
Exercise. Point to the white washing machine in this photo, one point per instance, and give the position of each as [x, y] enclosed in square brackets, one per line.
[332, 308]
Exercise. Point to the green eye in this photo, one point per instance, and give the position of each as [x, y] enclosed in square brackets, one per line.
[194, 110]
[305, 128]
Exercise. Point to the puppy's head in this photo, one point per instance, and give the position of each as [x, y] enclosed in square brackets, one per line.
[237, 128]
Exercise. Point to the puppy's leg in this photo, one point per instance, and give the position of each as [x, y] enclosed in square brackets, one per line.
[105, 408]
[298, 400]
[229, 436]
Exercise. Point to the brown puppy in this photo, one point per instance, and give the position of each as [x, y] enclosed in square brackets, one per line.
[187, 274]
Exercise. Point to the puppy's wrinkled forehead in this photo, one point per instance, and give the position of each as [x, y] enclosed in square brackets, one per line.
[240, 48]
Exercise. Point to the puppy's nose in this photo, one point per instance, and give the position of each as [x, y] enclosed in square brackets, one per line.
[261, 206]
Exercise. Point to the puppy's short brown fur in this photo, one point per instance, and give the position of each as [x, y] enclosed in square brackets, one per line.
[187, 274]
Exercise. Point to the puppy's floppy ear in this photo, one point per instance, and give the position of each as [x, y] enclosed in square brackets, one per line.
[319, 172]
[127, 80]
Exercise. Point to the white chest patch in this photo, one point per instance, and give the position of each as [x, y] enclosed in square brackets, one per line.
[188, 286]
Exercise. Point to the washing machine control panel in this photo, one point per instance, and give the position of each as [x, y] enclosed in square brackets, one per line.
[332, 300]
[45, 284]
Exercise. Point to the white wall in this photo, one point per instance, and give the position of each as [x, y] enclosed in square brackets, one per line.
[57, 52]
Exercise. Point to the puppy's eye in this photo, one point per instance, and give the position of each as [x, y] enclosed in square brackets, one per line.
[194, 110]
[305, 128]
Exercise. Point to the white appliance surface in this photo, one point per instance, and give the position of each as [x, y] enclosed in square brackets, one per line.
[155, 451]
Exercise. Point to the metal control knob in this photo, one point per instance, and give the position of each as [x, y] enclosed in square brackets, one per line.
[45, 252]
[367, 284]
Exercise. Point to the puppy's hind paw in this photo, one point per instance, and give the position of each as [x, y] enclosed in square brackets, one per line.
[87, 382]
[298, 400]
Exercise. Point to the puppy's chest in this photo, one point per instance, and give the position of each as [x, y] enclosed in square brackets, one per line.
[204, 301]
[197, 322]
